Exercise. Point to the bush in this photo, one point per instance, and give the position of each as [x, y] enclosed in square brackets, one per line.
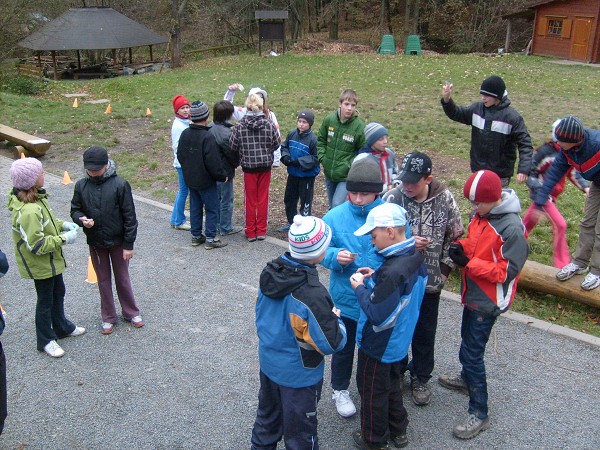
[21, 85]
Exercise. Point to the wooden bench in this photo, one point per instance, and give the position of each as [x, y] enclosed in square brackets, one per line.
[33, 145]
[30, 70]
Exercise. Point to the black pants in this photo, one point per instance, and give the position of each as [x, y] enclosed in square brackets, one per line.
[342, 361]
[381, 409]
[298, 188]
[287, 412]
[3, 396]
[423, 341]
[50, 320]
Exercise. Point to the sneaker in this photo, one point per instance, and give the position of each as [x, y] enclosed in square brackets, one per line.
[590, 282]
[53, 349]
[196, 241]
[399, 440]
[284, 229]
[261, 238]
[471, 427]
[454, 382]
[215, 243]
[421, 395]
[182, 226]
[360, 443]
[569, 271]
[251, 239]
[343, 403]
[107, 328]
[137, 321]
[234, 230]
[78, 331]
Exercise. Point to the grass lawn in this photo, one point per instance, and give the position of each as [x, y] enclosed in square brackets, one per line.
[402, 92]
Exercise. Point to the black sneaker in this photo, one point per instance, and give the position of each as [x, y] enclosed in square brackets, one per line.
[215, 243]
[399, 440]
[196, 241]
[360, 443]
[421, 395]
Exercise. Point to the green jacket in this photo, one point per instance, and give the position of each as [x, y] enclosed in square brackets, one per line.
[338, 144]
[36, 234]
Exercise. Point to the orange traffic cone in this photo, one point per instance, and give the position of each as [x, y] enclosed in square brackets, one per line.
[75, 103]
[108, 109]
[148, 112]
[91, 275]
[66, 179]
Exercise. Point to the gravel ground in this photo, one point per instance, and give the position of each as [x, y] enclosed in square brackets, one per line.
[189, 378]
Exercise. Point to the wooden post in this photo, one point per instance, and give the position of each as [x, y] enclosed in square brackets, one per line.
[78, 59]
[114, 55]
[151, 58]
[54, 65]
[508, 36]
[39, 59]
[130, 56]
[541, 278]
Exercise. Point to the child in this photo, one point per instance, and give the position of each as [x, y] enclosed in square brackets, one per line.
[38, 237]
[255, 138]
[435, 222]
[389, 308]
[299, 154]
[103, 204]
[181, 105]
[345, 254]
[221, 130]
[497, 131]
[580, 148]
[376, 137]
[201, 166]
[491, 258]
[297, 325]
[543, 158]
[3, 392]
[341, 135]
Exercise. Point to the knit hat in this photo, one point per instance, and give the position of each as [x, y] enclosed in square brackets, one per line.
[199, 111]
[385, 215]
[24, 172]
[308, 237]
[494, 87]
[483, 186]
[374, 131]
[569, 130]
[95, 158]
[307, 115]
[414, 167]
[257, 90]
[364, 175]
[179, 101]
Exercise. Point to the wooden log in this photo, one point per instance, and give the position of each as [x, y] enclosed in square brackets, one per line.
[541, 278]
[36, 146]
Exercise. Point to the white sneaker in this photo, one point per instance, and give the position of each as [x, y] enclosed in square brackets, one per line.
[78, 331]
[54, 350]
[569, 271]
[343, 403]
[590, 282]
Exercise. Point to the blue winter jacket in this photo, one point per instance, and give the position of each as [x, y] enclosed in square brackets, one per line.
[301, 147]
[390, 303]
[344, 220]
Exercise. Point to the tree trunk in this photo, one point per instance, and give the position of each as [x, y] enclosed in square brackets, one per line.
[415, 29]
[335, 19]
[407, 18]
[388, 16]
[176, 19]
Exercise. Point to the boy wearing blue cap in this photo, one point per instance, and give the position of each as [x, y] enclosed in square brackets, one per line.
[389, 298]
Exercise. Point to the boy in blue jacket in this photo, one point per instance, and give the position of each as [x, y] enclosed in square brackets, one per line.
[299, 154]
[389, 308]
[297, 325]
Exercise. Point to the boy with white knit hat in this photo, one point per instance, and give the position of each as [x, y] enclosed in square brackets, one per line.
[297, 325]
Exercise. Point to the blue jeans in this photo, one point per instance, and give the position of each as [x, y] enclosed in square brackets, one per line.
[475, 332]
[178, 216]
[342, 361]
[336, 192]
[208, 200]
[225, 211]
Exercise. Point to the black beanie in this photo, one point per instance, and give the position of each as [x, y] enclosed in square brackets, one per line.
[493, 86]
[569, 130]
[307, 115]
[364, 175]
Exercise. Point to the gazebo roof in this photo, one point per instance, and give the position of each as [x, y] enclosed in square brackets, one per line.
[91, 29]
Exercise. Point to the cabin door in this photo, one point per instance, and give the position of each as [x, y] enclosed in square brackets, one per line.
[582, 30]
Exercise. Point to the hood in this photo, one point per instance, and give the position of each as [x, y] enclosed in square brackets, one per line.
[255, 121]
[283, 275]
[510, 203]
[111, 171]
[504, 103]
[435, 188]
[14, 204]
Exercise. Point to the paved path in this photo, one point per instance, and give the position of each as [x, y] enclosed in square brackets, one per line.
[189, 378]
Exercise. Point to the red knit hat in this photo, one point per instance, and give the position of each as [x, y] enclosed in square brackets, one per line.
[179, 101]
[483, 186]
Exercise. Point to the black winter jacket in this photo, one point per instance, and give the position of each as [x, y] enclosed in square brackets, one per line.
[109, 202]
[199, 157]
[496, 134]
[229, 158]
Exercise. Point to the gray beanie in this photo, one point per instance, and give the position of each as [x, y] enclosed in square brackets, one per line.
[373, 132]
[199, 111]
[364, 175]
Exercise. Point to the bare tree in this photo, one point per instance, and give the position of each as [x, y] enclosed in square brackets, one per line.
[177, 10]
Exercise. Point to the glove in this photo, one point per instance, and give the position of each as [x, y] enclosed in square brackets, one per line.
[285, 160]
[70, 236]
[68, 226]
[457, 254]
[295, 163]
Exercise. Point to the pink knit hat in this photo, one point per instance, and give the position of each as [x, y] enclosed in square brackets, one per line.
[24, 173]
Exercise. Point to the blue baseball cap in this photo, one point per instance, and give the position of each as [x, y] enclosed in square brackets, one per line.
[386, 215]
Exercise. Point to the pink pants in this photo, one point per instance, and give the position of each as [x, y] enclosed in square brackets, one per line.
[559, 232]
[256, 202]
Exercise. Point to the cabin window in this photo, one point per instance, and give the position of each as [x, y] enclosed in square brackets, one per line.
[555, 27]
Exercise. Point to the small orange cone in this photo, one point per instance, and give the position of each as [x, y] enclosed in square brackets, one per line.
[66, 179]
[75, 103]
[108, 109]
[148, 112]
[91, 275]
[23, 155]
